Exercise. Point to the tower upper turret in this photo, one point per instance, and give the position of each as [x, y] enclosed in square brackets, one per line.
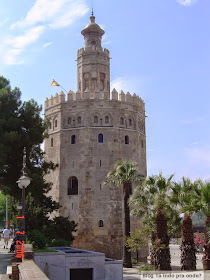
[92, 34]
[93, 63]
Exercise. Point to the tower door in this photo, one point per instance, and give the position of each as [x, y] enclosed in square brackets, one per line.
[81, 274]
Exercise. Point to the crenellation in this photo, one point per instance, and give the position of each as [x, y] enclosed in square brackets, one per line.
[97, 94]
[46, 102]
[80, 51]
[71, 95]
[87, 94]
[128, 97]
[51, 100]
[114, 94]
[62, 97]
[122, 96]
[78, 95]
[105, 94]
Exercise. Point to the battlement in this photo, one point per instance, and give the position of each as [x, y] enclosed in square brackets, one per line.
[81, 50]
[75, 96]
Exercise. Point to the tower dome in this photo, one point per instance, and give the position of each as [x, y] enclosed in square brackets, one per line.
[92, 27]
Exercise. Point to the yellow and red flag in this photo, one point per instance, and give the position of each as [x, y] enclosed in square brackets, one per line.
[54, 83]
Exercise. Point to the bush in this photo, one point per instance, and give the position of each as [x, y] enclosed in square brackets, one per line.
[146, 267]
[59, 242]
[61, 228]
[37, 239]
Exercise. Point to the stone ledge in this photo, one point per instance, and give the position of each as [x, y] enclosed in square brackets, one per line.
[28, 270]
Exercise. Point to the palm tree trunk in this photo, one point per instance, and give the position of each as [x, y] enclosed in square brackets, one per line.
[188, 256]
[126, 253]
[163, 251]
[206, 255]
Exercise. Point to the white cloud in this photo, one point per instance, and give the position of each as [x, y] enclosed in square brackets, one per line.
[69, 17]
[43, 15]
[47, 44]
[32, 35]
[54, 13]
[11, 57]
[187, 2]
[19, 43]
[128, 84]
[192, 121]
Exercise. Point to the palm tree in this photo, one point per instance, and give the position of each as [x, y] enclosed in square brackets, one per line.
[124, 175]
[182, 196]
[201, 199]
[152, 203]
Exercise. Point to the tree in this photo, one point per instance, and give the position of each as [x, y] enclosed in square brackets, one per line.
[124, 175]
[182, 196]
[152, 204]
[201, 201]
[2, 209]
[138, 239]
[21, 126]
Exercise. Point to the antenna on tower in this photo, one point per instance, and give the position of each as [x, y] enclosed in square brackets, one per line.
[92, 9]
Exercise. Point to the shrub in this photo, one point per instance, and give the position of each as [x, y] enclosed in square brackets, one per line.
[199, 239]
[146, 267]
[59, 242]
[37, 239]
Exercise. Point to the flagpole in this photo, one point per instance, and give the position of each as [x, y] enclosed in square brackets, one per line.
[63, 89]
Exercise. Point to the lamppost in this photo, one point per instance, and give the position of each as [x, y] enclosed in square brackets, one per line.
[23, 183]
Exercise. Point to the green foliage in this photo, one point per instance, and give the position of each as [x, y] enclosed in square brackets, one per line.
[151, 194]
[146, 267]
[37, 239]
[21, 126]
[2, 209]
[123, 173]
[138, 239]
[59, 242]
[60, 228]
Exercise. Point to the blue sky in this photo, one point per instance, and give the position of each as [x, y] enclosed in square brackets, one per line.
[160, 50]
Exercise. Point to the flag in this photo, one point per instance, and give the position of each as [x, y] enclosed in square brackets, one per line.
[54, 83]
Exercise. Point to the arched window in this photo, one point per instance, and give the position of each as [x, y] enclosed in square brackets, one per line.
[130, 122]
[73, 139]
[100, 223]
[126, 139]
[142, 143]
[121, 121]
[95, 119]
[79, 120]
[106, 119]
[100, 138]
[72, 186]
[51, 142]
[50, 126]
[69, 120]
[56, 123]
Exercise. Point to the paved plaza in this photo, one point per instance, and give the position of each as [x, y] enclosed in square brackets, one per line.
[5, 257]
[132, 273]
[128, 273]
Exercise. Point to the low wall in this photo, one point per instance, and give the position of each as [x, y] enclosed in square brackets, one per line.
[28, 270]
[58, 265]
[113, 269]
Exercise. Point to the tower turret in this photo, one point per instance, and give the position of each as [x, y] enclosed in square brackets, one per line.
[93, 66]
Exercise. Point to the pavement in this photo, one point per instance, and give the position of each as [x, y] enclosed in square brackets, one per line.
[128, 273]
[133, 273]
[5, 258]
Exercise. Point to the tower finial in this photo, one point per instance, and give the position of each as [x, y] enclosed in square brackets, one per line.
[92, 9]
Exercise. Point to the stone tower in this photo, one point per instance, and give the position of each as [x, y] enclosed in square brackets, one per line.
[88, 133]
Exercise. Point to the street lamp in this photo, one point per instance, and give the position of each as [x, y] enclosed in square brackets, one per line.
[23, 183]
